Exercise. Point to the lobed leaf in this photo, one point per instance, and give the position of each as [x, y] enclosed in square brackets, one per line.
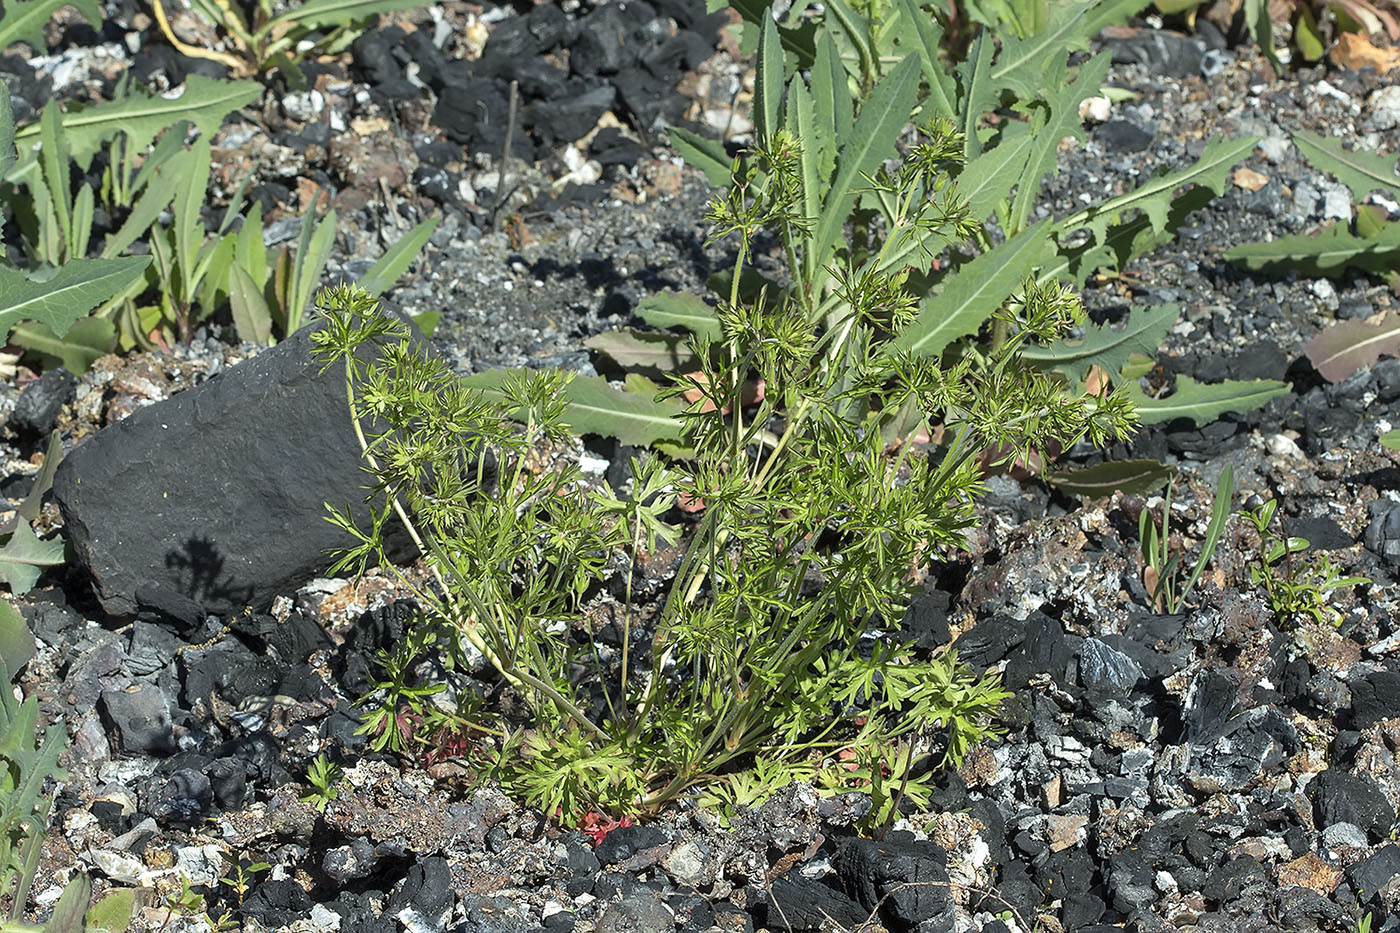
[24, 557]
[768, 81]
[708, 155]
[1350, 346]
[970, 295]
[1362, 172]
[1131, 477]
[680, 309]
[205, 102]
[1323, 253]
[72, 291]
[1204, 402]
[1107, 347]
[24, 20]
[638, 349]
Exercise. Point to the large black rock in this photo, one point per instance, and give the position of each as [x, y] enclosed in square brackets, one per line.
[217, 495]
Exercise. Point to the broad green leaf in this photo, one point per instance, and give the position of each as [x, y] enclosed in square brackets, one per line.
[397, 258]
[1203, 402]
[67, 916]
[1362, 172]
[84, 209]
[1107, 347]
[318, 14]
[43, 481]
[153, 200]
[831, 94]
[1350, 346]
[427, 321]
[707, 155]
[1023, 62]
[988, 179]
[1131, 477]
[205, 102]
[113, 912]
[87, 341]
[214, 274]
[1306, 35]
[768, 81]
[188, 230]
[1062, 100]
[1390, 440]
[979, 94]
[872, 138]
[8, 154]
[597, 408]
[24, 557]
[16, 643]
[251, 318]
[1261, 29]
[637, 349]
[53, 159]
[1121, 242]
[680, 309]
[1323, 253]
[249, 251]
[1154, 197]
[24, 20]
[815, 156]
[927, 39]
[171, 141]
[310, 262]
[72, 291]
[970, 295]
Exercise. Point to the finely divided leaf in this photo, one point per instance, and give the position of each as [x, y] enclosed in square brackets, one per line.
[1203, 402]
[970, 295]
[1131, 477]
[680, 309]
[1362, 172]
[72, 291]
[1345, 348]
[1107, 347]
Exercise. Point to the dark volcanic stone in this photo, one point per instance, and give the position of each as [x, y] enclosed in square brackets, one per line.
[1163, 52]
[626, 841]
[276, 904]
[906, 880]
[183, 799]
[1210, 708]
[797, 903]
[1235, 878]
[141, 718]
[1103, 666]
[426, 893]
[217, 495]
[1375, 697]
[1122, 136]
[1339, 797]
[1370, 876]
[641, 911]
[38, 406]
[1382, 536]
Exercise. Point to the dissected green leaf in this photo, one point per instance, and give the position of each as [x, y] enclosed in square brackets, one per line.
[1105, 346]
[1324, 253]
[1349, 346]
[205, 102]
[680, 309]
[24, 21]
[16, 642]
[24, 557]
[595, 407]
[397, 258]
[632, 348]
[970, 295]
[1131, 477]
[72, 291]
[1204, 402]
[1362, 172]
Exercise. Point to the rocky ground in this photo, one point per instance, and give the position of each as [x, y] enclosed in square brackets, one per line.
[1209, 770]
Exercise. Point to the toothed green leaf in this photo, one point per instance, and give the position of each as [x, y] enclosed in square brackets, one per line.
[1107, 347]
[1205, 402]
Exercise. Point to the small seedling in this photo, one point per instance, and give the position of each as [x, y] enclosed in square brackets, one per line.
[323, 775]
[1297, 587]
[1162, 568]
